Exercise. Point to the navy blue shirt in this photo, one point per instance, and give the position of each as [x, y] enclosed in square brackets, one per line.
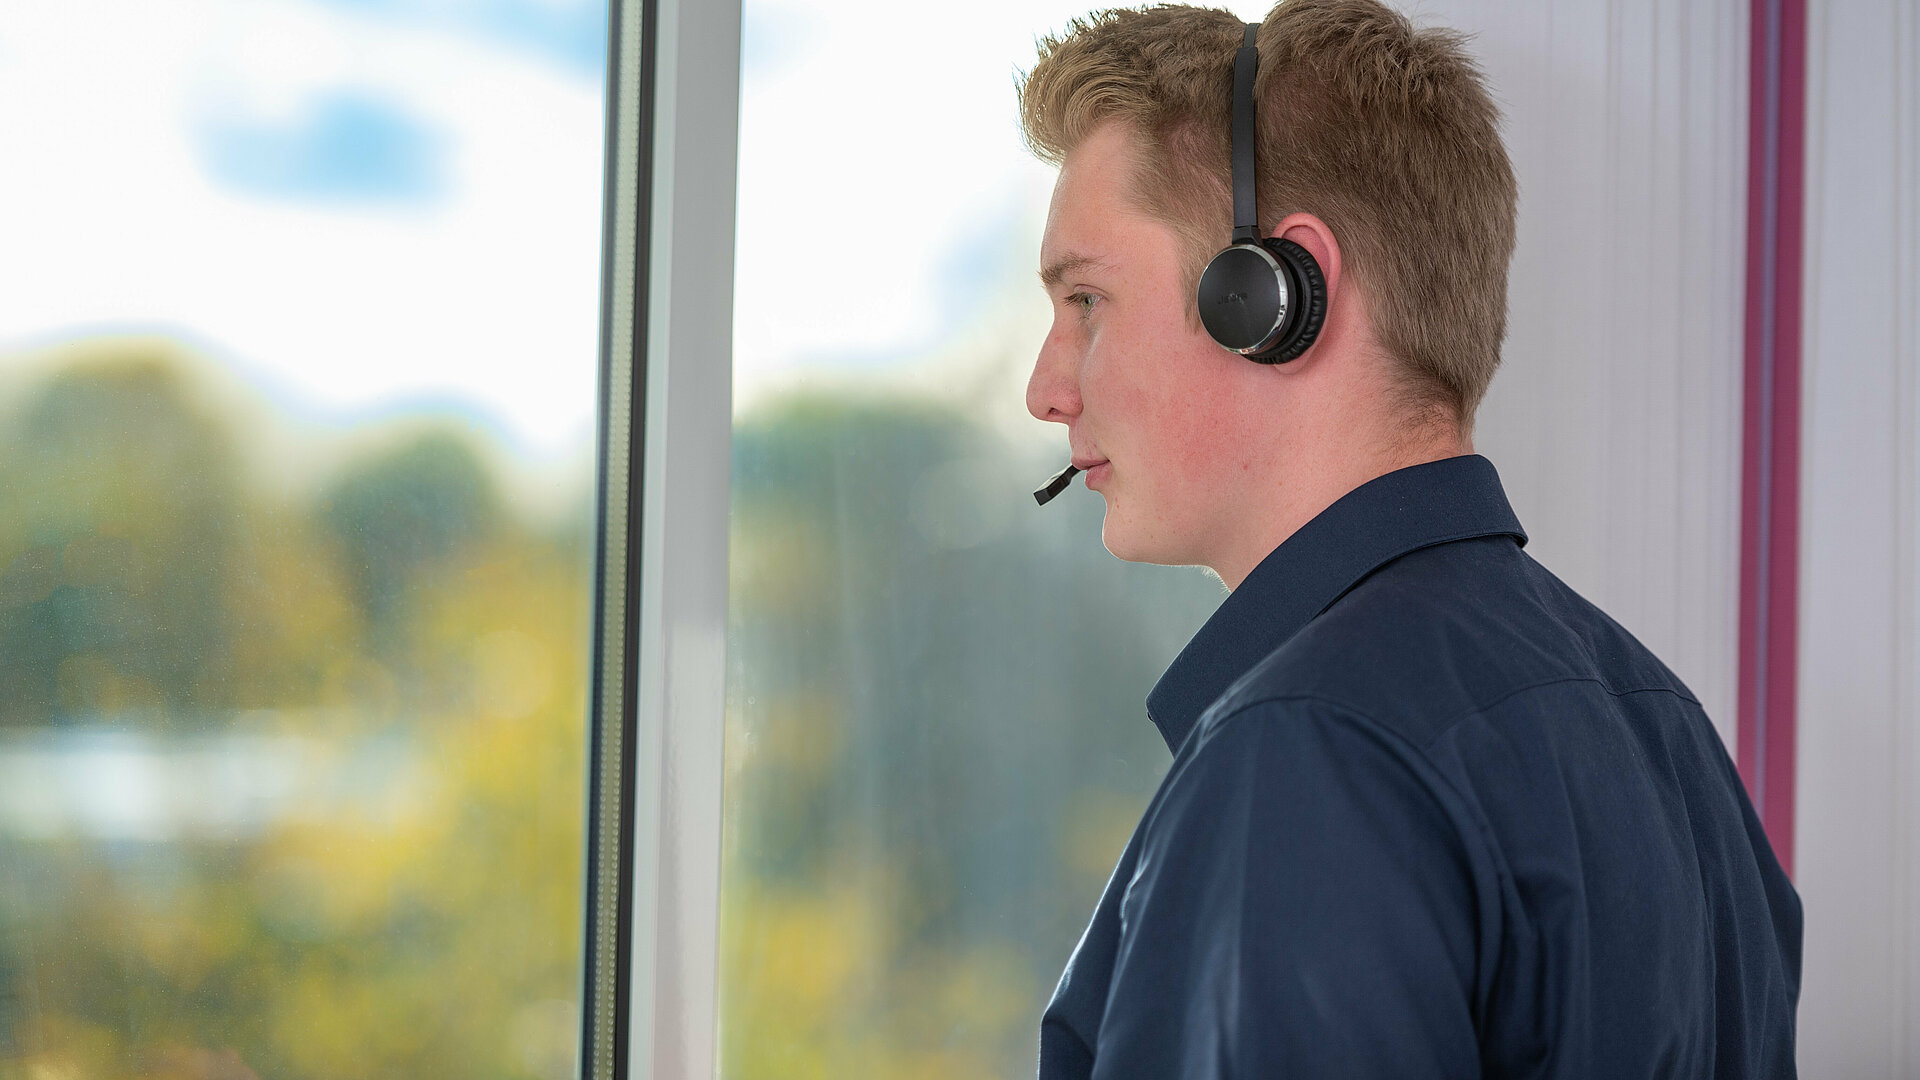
[1431, 814]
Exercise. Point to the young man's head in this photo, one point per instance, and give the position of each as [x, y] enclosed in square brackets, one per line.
[1378, 151]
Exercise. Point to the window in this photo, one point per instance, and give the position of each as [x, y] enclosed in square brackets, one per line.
[297, 406]
[936, 735]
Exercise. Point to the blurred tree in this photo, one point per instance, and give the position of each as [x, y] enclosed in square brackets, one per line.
[120, 502]
[936, 732]
[403, 513]
[416, 912]
[935, 746]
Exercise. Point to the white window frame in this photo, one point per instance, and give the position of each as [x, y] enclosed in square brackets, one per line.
[650, 987]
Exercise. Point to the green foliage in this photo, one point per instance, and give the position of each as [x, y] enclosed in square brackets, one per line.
[401, 515]
[928, 688]
[119, 513]
[935, 745]
[412, 908]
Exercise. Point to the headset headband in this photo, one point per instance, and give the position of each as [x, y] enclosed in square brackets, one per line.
[1246, 227]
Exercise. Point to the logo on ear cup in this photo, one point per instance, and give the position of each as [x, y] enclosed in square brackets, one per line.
[1243, 298]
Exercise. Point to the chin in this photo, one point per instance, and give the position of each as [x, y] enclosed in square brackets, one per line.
[1123, 541]
[1113, 535]
[1129, 540]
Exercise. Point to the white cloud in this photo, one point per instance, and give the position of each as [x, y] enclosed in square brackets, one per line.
[107, 218]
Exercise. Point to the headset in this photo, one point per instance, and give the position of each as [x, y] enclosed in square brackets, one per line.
[1262, 298]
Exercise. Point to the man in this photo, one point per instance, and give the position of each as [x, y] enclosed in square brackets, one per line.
[1430, 813]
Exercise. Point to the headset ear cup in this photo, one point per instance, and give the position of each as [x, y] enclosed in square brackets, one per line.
[1308, 283]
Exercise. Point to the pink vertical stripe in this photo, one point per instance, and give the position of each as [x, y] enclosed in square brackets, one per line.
[1770, 469]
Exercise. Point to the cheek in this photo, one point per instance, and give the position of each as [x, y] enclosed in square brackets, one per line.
[1172, 401]
[1179, 417]
[1232, 416]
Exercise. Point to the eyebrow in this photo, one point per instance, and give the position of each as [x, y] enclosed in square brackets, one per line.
[1057, 271]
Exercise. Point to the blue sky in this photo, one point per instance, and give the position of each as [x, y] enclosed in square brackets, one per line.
[343, 146]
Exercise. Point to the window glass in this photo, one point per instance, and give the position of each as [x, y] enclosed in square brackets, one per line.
[297, 391]
[937, 742]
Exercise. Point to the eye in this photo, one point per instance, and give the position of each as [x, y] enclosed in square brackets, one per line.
[1084, 301]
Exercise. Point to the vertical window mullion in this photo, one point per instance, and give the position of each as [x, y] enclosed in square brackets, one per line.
[654, 841]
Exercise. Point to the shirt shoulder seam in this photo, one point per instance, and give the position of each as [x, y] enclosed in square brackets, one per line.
[1451, 722]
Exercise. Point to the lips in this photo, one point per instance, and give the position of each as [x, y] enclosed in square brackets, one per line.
[1086, 463]
[1097, 473]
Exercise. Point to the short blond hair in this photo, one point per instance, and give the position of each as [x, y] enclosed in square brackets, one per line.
[1385, 132]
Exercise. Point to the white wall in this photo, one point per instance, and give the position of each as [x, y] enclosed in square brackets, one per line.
[1615, 418]
[1857, 748]
[1616, 424]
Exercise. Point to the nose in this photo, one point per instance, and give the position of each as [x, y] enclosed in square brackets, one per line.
[1053, 390]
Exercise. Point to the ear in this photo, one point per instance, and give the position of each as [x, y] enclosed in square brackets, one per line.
[1312, 233]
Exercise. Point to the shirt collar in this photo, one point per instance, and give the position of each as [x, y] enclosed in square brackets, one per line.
[1434, 503]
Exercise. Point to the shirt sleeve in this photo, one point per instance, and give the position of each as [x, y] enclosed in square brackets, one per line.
[1303, 906]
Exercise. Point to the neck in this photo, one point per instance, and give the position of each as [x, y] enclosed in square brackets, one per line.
[1315, 480]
